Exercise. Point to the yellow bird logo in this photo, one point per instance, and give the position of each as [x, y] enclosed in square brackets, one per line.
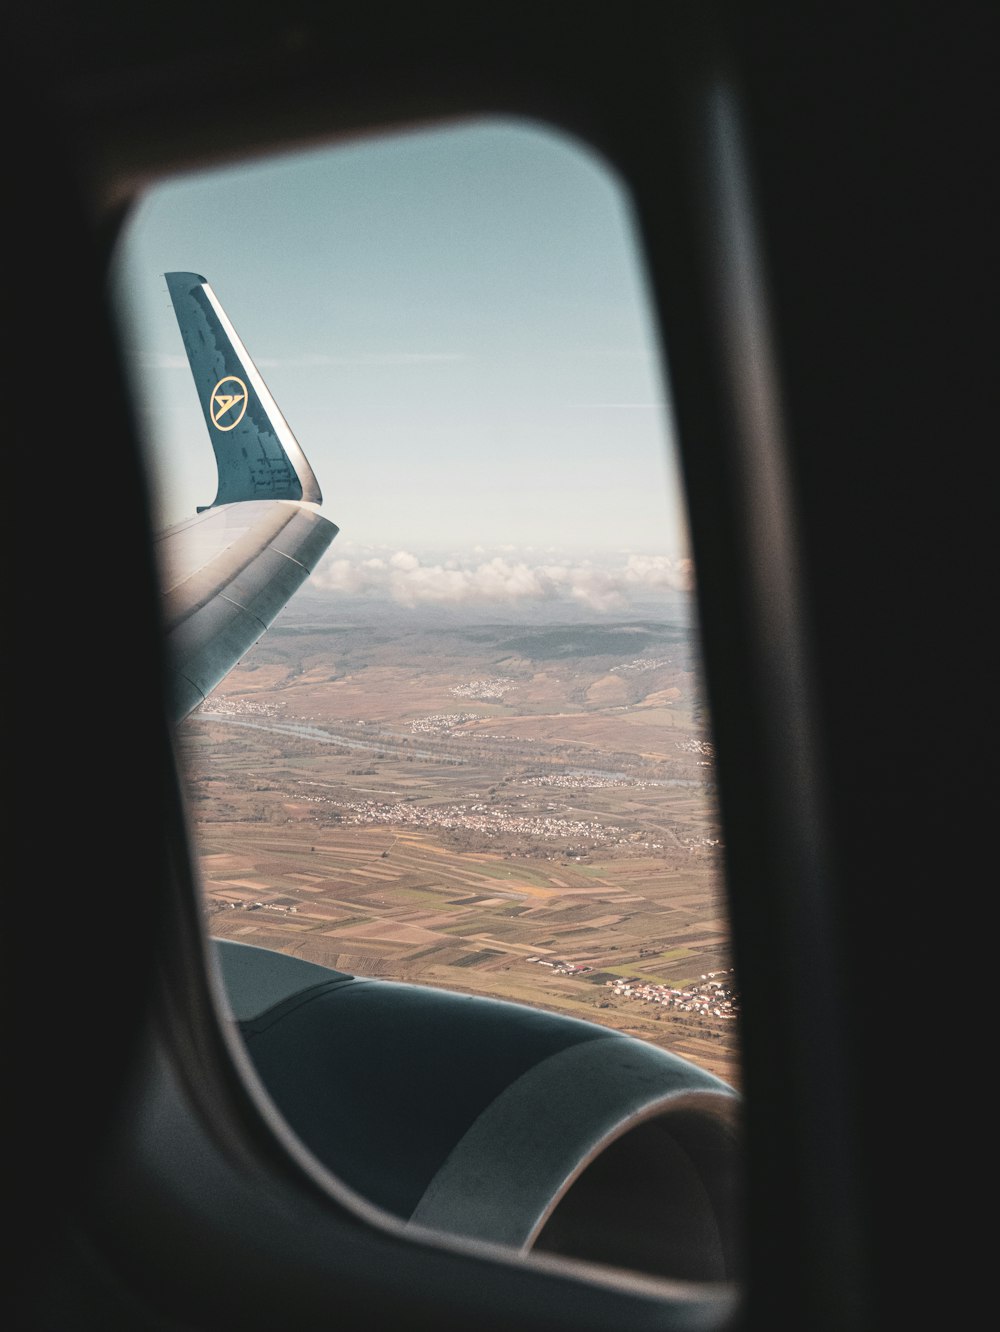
[229, 395]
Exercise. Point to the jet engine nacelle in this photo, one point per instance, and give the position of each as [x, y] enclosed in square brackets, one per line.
[496, 1121]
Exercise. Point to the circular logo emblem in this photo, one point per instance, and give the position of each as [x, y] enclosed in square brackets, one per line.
[228, 403]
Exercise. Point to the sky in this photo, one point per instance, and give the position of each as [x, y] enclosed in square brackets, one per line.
[455, 324]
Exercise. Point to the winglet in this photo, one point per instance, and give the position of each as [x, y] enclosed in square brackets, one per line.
[257, 455]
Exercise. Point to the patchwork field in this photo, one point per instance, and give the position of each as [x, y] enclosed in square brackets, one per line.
[517, 811]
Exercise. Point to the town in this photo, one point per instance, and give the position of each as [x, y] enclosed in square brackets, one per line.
[711, 997]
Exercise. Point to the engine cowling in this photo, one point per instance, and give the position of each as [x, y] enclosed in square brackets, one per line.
[496, 1121]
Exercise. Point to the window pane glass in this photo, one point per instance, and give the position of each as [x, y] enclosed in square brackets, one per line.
[472, 752]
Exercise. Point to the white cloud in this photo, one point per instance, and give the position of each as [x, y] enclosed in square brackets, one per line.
[456, 580]
[654, 571]
[404, 561]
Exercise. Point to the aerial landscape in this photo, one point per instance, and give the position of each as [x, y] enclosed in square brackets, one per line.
[512, 803]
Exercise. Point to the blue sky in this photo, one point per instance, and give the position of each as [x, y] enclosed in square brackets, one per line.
[454, 322]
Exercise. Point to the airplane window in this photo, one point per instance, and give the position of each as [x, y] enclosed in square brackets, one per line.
[470, 756]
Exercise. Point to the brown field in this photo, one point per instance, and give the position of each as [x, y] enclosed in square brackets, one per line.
[363, 799]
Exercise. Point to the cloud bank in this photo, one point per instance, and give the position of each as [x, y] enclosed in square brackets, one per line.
[504, 579]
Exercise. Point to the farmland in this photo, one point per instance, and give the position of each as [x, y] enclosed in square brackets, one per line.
[518, 810]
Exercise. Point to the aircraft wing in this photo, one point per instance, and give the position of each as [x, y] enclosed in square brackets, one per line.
[227, 572]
